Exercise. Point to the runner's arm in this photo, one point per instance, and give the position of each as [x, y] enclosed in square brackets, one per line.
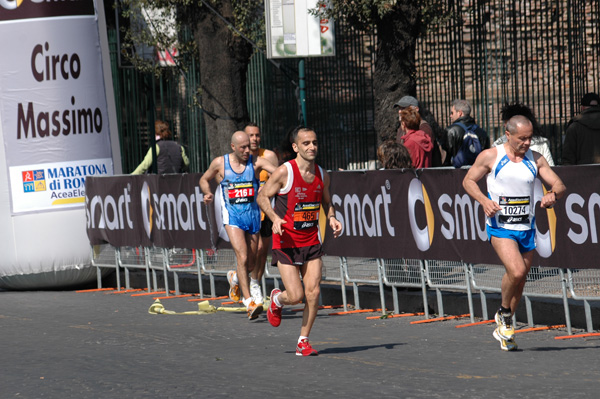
[263, 164]
[550, 178]
[335, 224]
[213, 171]
[275, 183]
[482, 166]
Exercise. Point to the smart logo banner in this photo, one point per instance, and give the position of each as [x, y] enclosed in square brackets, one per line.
[399, 214]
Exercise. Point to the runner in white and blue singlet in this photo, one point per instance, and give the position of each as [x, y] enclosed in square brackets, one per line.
[510, 185]
[511, 170]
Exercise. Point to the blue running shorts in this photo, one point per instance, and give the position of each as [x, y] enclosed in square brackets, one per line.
[524, 238]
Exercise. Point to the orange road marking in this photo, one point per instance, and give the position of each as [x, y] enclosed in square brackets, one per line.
[355, 311]
[540, 328]
[579, 336]
[475, 324]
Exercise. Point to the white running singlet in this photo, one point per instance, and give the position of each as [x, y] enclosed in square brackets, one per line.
[510, 185]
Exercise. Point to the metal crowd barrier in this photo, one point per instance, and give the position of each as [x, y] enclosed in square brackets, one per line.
[542, 282]
[584, 285]
[486, 278]
[105, 256]
[179, 260]
[217, 262]
[405, 273]
[333, 270]
[546, 282]
[365, 271]
[133, 258]
[441, 274]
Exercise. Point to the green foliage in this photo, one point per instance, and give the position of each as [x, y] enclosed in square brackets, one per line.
[365, 14]
[158, 24]
[250, 20]
[152, 26]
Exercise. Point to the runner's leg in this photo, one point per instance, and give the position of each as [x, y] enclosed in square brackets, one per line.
[311, 276]
[243, 245]
[516, 267]
[264, 243]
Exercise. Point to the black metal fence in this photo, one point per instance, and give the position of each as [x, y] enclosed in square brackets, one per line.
[542, 53]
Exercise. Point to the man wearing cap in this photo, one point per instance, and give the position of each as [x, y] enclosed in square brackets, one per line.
[410, 101]
[582, 142]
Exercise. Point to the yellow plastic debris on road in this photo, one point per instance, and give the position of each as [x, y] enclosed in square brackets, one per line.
[204, 307]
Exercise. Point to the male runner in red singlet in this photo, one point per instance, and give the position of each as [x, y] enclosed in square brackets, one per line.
[301, 187]
[264, 239]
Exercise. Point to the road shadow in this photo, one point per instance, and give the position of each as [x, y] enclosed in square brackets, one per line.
[351, 349]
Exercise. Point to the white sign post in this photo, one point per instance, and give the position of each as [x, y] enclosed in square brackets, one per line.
[292, 31]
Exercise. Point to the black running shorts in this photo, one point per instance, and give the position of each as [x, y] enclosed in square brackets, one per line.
[296, 256]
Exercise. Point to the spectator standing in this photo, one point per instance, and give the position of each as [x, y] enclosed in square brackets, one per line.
[170, 156]
[460, 114]
[582, 142]
[539, 143]
[410, 101]
[416, 141]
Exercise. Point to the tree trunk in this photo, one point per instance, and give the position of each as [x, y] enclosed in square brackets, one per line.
[394, 75]
[224, 58]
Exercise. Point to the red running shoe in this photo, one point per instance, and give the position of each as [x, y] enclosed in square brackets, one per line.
[304, 349]
[274, 311]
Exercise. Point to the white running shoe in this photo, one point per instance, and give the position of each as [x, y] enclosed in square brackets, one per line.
[257, 295]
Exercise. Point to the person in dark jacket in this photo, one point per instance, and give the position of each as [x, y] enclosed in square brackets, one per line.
[582, 142]
[170, 156]
[461, 113]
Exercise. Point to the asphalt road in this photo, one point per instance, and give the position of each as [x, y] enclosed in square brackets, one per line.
[102, 345]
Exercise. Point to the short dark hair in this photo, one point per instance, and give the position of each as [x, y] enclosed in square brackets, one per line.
[298, 130]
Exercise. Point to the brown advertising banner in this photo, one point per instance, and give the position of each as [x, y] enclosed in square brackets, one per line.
[166, 211]
[395, 214]
[423, 214]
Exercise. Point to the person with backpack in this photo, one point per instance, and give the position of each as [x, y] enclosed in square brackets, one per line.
[465, 140]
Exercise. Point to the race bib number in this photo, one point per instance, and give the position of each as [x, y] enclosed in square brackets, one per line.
[514, 210]
[240, 192]
[306, 215]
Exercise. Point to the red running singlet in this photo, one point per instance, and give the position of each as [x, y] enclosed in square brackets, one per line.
[298, 204]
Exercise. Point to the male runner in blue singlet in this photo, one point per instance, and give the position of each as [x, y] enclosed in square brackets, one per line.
[237, 175]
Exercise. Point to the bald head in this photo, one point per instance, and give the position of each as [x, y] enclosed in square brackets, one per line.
[516, 122]
[239, 137]
[240, 146]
